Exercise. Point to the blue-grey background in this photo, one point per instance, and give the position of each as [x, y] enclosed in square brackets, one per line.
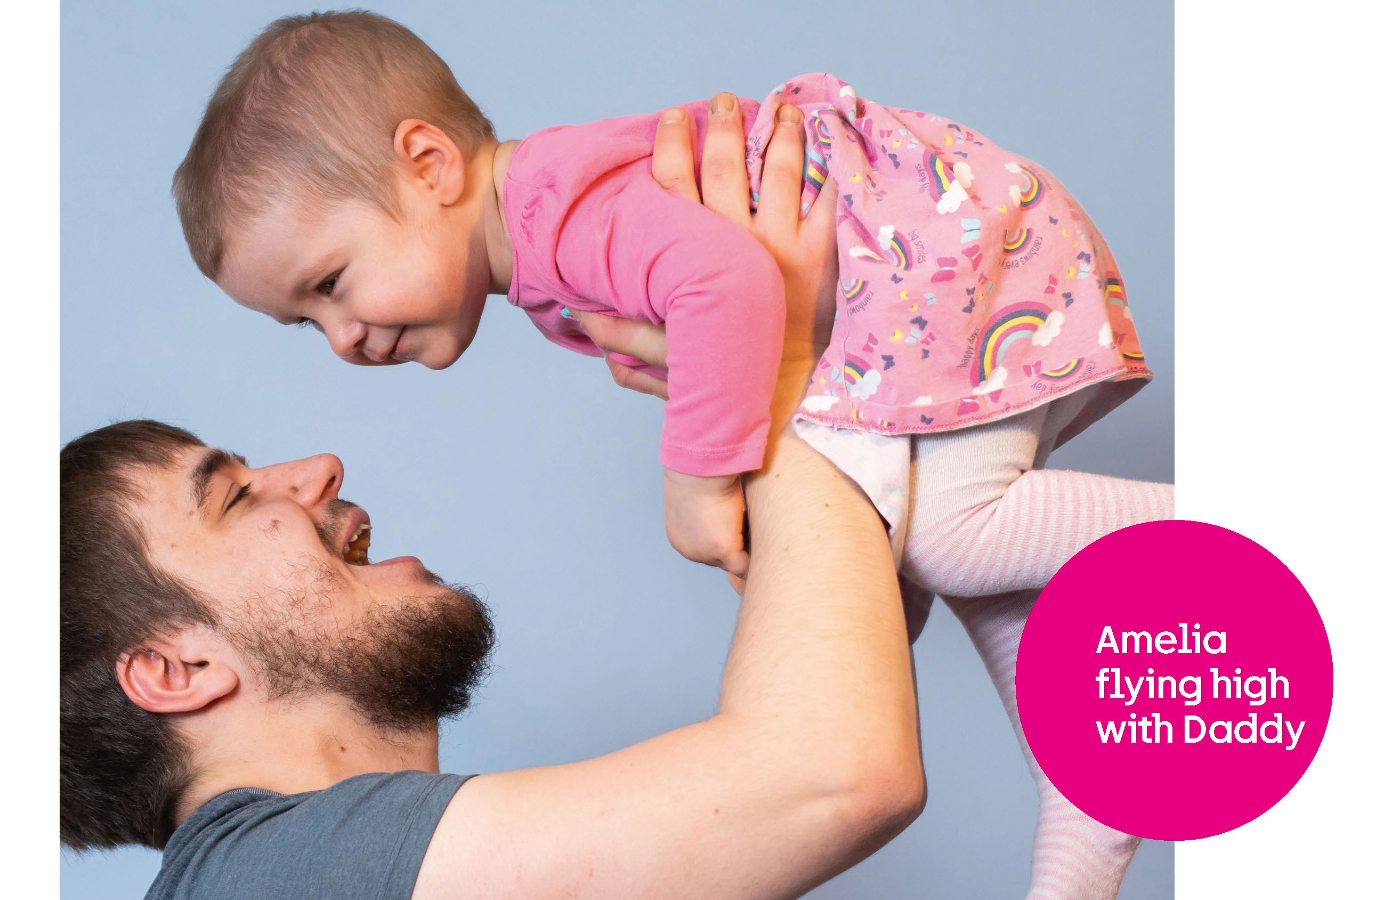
[522, 469]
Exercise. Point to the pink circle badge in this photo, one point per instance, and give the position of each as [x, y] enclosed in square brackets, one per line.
[1174, 680]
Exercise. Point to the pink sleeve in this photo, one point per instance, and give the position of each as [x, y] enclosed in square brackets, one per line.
[648, 254]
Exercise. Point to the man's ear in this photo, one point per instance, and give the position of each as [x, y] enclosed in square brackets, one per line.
[183, 672]
[432, 160]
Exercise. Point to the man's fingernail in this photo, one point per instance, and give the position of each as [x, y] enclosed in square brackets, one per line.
[789, 115]
[722, 103]
[672, 116]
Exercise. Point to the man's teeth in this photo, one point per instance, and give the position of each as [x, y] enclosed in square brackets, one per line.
[356, 550]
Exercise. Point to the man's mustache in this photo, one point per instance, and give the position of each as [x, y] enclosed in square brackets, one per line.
[327, 530]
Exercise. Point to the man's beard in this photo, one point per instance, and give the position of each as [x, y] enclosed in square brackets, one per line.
[403, 664]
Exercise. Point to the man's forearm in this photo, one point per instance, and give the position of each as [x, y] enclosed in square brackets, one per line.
[820, 663]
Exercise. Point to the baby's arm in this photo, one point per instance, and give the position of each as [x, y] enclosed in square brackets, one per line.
[666, 259]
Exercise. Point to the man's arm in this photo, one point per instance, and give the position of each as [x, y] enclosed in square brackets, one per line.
[812, 761]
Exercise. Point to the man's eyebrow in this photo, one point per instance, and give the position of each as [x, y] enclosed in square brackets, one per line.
[200, 476]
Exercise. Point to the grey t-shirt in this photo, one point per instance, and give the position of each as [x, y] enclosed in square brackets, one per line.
[361, 839]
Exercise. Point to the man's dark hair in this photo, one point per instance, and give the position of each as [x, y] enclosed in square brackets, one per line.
[121, 769]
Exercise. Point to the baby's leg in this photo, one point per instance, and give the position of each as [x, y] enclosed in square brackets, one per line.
[984, 521]
[1074, 857]
[986, 531]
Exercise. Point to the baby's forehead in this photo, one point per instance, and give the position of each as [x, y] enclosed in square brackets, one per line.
[296, 218]
[274, 246]
[283, 212]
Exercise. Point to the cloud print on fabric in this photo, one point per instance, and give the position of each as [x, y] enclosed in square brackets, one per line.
[995, 383]
[866, 385]
[1048, 330]
[950, 201]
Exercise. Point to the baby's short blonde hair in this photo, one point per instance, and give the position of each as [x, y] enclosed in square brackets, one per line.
[312, 104]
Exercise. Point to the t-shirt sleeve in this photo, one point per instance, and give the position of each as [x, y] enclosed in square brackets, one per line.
[649, 254]
[361, 839]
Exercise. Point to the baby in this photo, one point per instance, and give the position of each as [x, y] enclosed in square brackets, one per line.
[342, 179]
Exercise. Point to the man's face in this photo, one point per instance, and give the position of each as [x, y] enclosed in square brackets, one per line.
[284, 563]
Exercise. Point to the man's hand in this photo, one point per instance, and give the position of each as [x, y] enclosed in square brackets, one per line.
[805, 249]
[618, 337]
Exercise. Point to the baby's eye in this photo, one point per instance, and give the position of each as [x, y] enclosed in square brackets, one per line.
[328, 285]
[301, 323]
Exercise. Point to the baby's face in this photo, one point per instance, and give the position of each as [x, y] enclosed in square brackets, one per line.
[383, 291]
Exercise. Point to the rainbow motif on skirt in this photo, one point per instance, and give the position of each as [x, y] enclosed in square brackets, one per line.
[1113, 289]
[1133, 356]
[823, 132]
[853, 290]
[1011, 326]
[898, 251]
[854, 370]
[1033, 192]
[940, 175]
[1017, 240]
[1064, 371]
[815, 172]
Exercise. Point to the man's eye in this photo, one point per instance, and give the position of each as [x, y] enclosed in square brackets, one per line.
[243, 491]
[328, 285]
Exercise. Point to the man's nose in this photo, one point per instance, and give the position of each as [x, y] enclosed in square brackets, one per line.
[310, 481]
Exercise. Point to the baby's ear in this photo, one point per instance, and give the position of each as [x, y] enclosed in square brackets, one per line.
[431, 160]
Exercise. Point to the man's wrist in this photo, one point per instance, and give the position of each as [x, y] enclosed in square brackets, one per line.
[794, 377]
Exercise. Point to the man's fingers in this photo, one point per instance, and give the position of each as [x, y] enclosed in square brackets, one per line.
[637, 380]
[821, 219]
[628, 337]
[724, 181]
[781, 190]
[673, 154]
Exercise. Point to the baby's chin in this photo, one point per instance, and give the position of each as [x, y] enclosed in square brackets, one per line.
[438, 358]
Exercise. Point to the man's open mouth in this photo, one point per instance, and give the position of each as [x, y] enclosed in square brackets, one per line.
[356, 550]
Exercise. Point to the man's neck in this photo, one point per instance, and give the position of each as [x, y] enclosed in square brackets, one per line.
[293, 748]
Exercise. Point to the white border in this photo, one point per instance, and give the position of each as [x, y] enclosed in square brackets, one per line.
[1285, 223]
[28, 491]
[1284, 271]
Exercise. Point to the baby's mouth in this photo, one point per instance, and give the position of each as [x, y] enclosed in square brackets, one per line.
[356, 550]
[399, 352]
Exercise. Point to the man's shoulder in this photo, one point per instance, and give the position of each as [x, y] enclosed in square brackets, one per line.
[362, 837]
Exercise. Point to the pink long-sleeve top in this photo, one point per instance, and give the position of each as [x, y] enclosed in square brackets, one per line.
[590, 230]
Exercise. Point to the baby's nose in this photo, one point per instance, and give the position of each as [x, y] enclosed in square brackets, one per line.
[346, 338]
